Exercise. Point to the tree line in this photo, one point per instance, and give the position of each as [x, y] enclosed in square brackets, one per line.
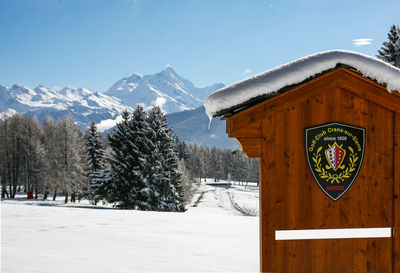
[44, 158]
[140, 165]
[228, 165]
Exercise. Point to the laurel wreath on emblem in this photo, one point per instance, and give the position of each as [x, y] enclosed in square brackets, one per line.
[335, 177]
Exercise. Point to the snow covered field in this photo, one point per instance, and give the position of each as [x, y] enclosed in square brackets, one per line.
[48, 236]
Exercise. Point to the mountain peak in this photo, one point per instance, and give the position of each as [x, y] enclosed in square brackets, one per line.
[169, 68]
[69, 87]
[169, 71]
[167, 86]
[19, 85]
[133, 76]
[42, 88]
[19, 88]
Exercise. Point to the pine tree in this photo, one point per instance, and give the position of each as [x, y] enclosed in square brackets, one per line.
[144, 164]
[154, 169]
[390, 51]
[181, 149]
[169, 182]
[96, 162]
[128, 186]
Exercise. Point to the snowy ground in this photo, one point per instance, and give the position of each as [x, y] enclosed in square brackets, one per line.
[214, 236]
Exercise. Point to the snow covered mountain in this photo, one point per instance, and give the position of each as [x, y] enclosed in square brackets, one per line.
[194, 126]
[166, 89]
[84, 105]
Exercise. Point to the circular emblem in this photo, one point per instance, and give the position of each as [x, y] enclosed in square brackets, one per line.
[335, 152]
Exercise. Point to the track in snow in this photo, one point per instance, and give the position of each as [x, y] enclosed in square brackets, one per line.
[217, 198]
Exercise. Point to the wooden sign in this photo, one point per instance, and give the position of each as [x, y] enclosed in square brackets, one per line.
[329, 150]
[292, 201]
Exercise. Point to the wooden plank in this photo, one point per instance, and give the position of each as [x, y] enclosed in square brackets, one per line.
[262, 228]
[250, 146]
[269, 167]
[252, 130]
[228, 123]
[359, 116]
[370, 90]
[396, 196]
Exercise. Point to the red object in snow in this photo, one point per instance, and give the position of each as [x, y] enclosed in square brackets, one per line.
[30, 194]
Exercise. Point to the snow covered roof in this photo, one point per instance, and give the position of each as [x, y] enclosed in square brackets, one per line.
[268, 83]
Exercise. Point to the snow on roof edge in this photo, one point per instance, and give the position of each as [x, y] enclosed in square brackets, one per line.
[298, 71]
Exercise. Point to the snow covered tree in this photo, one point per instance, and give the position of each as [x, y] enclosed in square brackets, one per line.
[97, 163]
[130, 146]
[52, 151]
[167, 176]
[72, 176]
[187, 179]
[181, 149]
[390, 51]
[6, 159]
[194, 163]
[143, 162]
[12, 153]
[31, 134]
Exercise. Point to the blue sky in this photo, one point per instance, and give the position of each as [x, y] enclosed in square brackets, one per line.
[93, 43]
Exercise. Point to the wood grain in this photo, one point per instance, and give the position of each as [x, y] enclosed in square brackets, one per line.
[290, 198]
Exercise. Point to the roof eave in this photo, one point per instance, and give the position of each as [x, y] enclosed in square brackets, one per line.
[253, 101]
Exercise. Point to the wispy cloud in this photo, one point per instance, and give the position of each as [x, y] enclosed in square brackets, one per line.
[248, 71]
[362, 42]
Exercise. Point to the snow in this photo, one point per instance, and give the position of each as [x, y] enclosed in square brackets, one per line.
[160, 101]
[108, 123]
[7, 113]
[48, 236]
[130, 75]
[42, 97]
[298, 71]
[179, 93]
[161, 94]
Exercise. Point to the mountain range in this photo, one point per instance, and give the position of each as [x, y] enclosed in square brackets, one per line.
[177, 97]
[82, 104]
[166, 89]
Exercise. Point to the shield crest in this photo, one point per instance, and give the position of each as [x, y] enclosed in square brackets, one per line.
[335, 152]
[335, 156]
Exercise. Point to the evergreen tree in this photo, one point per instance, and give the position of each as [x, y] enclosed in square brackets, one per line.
[390, 51]
[167, 176]
[194, 163]
[96, 162]
[128, 186]
[181, 149]
[154, 171]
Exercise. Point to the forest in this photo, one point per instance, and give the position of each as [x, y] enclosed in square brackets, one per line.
[140, 165]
